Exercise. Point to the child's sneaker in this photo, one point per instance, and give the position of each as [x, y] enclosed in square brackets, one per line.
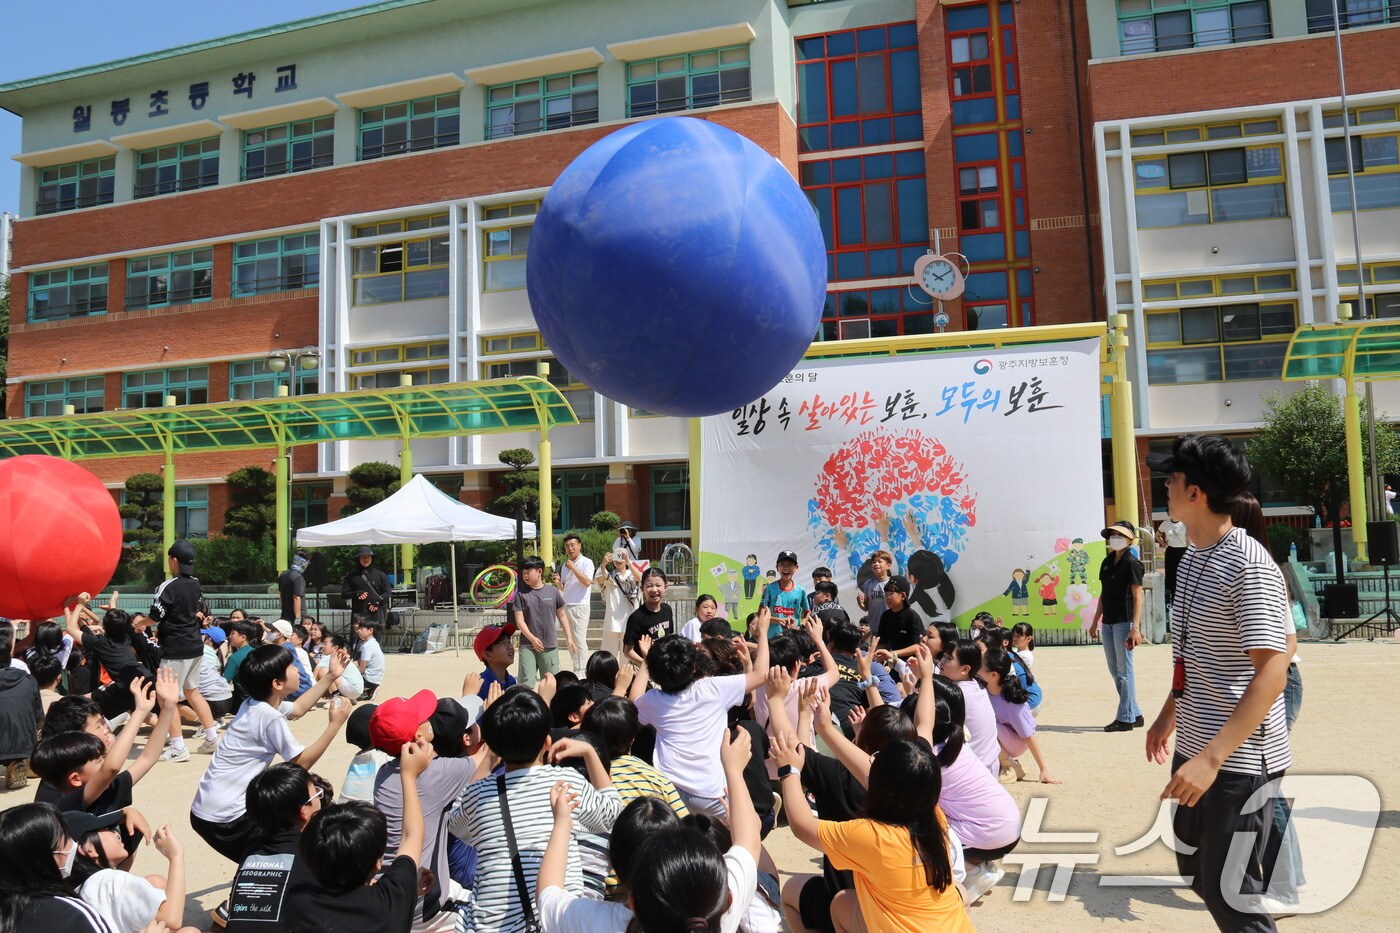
[16, 775]
[208, 745]
[174, 754]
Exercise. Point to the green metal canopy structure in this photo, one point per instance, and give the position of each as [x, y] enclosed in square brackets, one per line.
[1353, 351]
[524, 403]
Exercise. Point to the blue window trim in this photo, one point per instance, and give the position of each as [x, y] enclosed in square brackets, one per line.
[89, 282]
[297, 260]
[185, 277]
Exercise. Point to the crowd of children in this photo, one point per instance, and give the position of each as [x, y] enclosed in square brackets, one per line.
[633, 795]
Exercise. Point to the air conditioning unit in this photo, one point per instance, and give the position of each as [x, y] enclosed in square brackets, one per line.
[857, 328]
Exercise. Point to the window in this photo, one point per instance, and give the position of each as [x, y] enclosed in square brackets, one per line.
[189, 385]
[192, 511]
[77, 184]
[402, 270]
[1353, 13]
[66, 293]
[290, 147]
[277, 264]
[1224, 342]
[173, 279]
[251, 379]
[407, 353]
[177, 167]
[47, 399]
[580, 396]
[503, 250]
[512, 343]
[550, 103]
[411, 126]
[398, 356]
[875, 312]
[1163, 25]
[670, 497]
[1382, 288]
[581, 493]
[873, 212]
[392, 379]
[1375, 161]
[859, 88]
[310, 504]
[1266, 126]
[688, 82]
[1214, 186]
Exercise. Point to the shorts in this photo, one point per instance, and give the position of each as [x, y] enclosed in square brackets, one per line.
[186, 671]
[231, 839]
[369, 691]
[814, 904]
[220, 708]
[973, 856]
[1049, 601]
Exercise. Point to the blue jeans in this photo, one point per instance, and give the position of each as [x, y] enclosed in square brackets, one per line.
[1120, 665]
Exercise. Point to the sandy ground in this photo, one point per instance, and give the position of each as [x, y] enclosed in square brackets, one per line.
[1351, 695]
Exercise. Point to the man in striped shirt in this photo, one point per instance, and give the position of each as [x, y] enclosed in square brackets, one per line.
[1230, 626]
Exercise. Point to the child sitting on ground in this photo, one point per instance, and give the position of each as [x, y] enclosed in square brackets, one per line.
[350, 684]
[1015, 724]
[130, 902]
[359, 778]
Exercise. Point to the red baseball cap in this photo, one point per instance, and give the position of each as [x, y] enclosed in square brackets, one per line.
[489, 636]
[396, 721]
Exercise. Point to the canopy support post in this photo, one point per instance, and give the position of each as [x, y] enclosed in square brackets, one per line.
[456, 619]
[167, 504]
[406, 474]
[282, 510]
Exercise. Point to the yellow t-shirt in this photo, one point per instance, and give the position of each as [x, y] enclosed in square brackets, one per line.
[894, 895]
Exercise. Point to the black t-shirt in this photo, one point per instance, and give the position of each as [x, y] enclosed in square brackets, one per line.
[117, 796]
[258, 895]
[118, 657]
[900, 629]
[383, 907]
[291, 584]
[645, 622]
[756, 771]
[846, 694]
[175, 605]
[1117, 577]
[839, 797]
[45, 914]
[831, 613]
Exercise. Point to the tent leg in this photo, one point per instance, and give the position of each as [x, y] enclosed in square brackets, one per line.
[456, 630]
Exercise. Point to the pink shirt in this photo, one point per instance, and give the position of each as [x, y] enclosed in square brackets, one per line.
[978, 808]
[1015, 716]
[981, 724]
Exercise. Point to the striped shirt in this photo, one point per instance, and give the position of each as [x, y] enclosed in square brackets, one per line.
[634, 778]
[476, 820]
[1230, 599]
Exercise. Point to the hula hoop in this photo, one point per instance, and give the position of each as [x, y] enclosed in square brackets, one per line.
[494, 586]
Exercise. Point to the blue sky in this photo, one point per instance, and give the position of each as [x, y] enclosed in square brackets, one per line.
[42, 38]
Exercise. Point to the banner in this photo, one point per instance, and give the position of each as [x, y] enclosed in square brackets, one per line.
[980, 472]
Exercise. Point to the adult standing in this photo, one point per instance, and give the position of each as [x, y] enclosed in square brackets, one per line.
[176, 607]
[626, 540]
[621, 595]
[1171, 534]
[1226, 708]
[1119, 615]
[291, 588]
[538, 613]
[367, 588]
[576, 574]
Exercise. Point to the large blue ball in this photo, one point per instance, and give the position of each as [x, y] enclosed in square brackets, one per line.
[678, 268]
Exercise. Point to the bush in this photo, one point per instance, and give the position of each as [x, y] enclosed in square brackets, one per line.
[605, 521]
[224, 561]
[1281, 536]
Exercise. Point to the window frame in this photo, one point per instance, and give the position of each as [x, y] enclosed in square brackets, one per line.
[69, 392]
[1264, 292]
[577, 483]
[681, 486]
[286, 248]
[90, 277]
[821, 135]
[581, 396]
[191, 384]
[416, 230]
[440, 138]
[1156, 185]
[1233, 33]
[502, 218]
[542, 96]
[259, 376]
[315, 135]
[100, 174]
[202, 162]
[689, 73]
[200, 261]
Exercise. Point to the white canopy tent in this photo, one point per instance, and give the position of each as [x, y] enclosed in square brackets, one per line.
[417, 514]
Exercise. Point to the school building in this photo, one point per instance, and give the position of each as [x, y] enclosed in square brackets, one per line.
[345, 201]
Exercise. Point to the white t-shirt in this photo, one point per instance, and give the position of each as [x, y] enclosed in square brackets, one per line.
[618, 605]
[352, 682]
[304, 658]
[373, 656]
[691, 630]
[359, 777]
[258, 734]
[129, 902]
[689, 725]
[1027, 655]
[211, 679]
[981, 724]
[574, 591]
[562, 912]
[1174, 532]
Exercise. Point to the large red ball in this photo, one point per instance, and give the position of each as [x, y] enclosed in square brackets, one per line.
[60, 534]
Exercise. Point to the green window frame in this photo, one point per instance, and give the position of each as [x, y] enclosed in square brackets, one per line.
[58, 294]
[1164, 25]
[251, 379]
[670, 497]
[179, 278]
[581, 494]
[278, 264]
[47, 399]
[410, 126]
[177, 167]
[191, 511]
[689, 81]
[148, 389]
[1210, 186]
[550, 103]
[288, 147]
[310, 504]
[77, 184]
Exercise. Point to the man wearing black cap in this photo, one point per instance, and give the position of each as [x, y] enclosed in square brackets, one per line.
[367, 587]
[175, 607]
[1119, 615]
[1230, 651]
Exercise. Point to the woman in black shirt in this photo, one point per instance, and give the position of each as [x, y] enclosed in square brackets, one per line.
[1119, 614]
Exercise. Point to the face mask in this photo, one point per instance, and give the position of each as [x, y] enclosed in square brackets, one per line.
[1117, 543]
[69, 854]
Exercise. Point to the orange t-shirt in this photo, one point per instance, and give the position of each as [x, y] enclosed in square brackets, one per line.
[894, 895]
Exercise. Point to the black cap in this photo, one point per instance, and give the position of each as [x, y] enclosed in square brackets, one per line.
[897, 583]
[452, 719]
[786, 555]
[364, 550]
[1208, 460]
[80, 823]
[357, 726]
[183, 552]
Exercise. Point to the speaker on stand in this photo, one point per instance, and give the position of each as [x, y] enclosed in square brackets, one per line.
[317, 577]
[1383, 547]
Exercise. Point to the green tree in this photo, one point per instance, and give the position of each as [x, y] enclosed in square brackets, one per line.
[522, 485]
[371, 484]
[141, 505]
[1302, 444]
[252, 511]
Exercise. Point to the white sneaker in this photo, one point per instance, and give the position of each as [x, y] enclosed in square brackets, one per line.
[981, 879]
[174, 754]
[208, 745]
[1278, 908]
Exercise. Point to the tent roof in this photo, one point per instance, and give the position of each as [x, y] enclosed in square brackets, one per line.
[419, 513]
